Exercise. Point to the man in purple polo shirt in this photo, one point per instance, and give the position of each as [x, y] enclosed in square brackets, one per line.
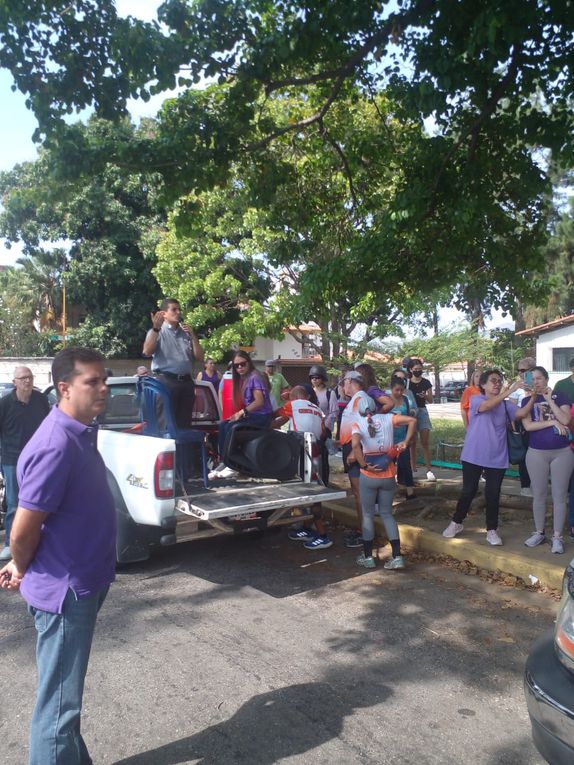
[63, 551]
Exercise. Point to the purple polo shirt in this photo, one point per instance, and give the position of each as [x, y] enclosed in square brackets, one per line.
[485, 441]
[61, 472]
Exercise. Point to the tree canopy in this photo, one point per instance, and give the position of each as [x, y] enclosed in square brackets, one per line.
[107, 226]
[271, 98]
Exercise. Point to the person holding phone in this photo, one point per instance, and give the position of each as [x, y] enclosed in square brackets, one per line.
[525, 367]
[549, 456]
[422, 390]
[173, 347]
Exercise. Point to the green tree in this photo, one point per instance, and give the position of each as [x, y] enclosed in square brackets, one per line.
[110, 223]
[19, 335]
[558, 259]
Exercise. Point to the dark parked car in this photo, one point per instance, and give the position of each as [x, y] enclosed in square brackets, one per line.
[549, 683]
[452, 390]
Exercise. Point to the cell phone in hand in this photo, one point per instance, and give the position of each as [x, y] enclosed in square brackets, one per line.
[528, 378]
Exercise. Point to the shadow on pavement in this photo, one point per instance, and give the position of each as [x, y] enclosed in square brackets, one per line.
[271, 726]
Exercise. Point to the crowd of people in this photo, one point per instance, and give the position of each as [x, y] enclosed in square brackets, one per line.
[60, 541]
[489, 410]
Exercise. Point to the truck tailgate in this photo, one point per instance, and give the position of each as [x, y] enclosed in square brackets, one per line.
[225, 503]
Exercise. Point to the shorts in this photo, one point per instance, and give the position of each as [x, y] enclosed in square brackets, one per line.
[423, 419]
[353, 470]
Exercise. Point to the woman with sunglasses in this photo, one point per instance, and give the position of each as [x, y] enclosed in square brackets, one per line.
[251, 392]
[375, 451]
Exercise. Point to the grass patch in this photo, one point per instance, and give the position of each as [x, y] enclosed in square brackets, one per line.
[450, 431]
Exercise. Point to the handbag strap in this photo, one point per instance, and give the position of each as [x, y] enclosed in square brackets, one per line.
[510, 423]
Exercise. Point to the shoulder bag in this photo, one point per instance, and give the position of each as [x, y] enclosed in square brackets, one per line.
[517, 444]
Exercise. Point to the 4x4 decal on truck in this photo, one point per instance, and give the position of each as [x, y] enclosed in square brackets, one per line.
[137, 481]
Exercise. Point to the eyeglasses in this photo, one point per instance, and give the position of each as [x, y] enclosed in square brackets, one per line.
[523, 370]
[240, 364]
[315, 377]
[25, 377]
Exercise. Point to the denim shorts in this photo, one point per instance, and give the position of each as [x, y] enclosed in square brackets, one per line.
[353, 470]
[423, 419]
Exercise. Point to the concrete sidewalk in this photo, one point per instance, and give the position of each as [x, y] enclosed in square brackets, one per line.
[422, 520]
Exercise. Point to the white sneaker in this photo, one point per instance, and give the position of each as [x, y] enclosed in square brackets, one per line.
[493, 538]
[535, 539]
[526, 492]
[452, 530]
[228, 472]
[557, 545]
[431, 476]
[5, 554]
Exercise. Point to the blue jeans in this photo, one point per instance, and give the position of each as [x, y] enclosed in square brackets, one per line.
[62, 653]
[11, 483]
[377, 491]
[225, 427]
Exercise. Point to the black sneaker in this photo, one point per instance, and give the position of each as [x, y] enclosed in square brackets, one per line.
[354, 539]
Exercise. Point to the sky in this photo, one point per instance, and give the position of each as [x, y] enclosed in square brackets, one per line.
[19, 123]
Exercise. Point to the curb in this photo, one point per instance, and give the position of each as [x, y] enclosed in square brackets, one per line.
[491, 558]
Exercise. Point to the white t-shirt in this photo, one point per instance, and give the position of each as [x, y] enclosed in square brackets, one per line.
[382, 441]
[304, 417]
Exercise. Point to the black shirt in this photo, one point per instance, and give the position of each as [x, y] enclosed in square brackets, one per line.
[18, 422]
[419, 389]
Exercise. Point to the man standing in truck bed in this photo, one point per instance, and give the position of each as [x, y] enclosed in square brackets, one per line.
[174, 346]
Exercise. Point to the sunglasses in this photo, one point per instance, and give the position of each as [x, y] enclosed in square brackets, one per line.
[523, 370]
[315, 377]
[240, 364]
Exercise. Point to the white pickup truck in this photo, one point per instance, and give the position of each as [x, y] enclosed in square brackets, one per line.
[154, 508]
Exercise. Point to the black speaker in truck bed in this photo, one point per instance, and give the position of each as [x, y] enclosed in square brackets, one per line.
[262, 453]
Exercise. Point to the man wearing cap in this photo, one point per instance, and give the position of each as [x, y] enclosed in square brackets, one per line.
[173, 347]
[353, 387]
[566, 385]
[277, 384]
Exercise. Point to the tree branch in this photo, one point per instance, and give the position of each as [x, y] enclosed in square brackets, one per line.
[341, 154]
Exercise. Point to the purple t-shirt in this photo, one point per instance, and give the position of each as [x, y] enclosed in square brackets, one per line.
[375, 393]
[254, 382]
[485, 441]
[61, 472]
[547, 438]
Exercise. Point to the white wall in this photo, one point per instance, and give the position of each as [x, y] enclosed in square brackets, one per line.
[562, 337]
[41, 368]
[287, 348]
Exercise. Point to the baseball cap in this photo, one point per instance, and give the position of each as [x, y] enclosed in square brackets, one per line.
[353, 376]
[270, 363]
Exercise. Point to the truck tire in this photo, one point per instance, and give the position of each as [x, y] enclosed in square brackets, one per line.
[131, 544]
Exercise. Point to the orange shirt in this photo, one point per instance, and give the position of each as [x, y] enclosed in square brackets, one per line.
[467, 393]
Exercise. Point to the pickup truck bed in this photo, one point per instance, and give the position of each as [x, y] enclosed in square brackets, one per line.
[225, 503]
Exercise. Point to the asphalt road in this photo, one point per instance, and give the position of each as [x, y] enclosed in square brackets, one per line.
[255, 651]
